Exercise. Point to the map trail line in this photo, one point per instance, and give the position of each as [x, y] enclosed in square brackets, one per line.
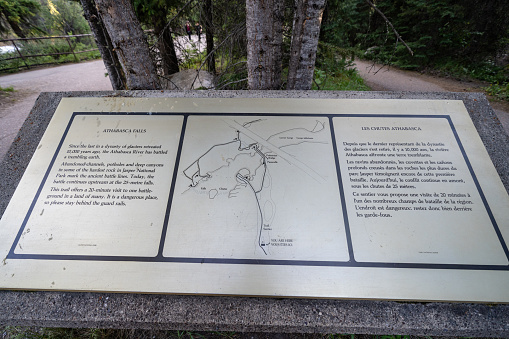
[303, 167]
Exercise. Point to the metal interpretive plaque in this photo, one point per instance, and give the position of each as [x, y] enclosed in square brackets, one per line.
[329, 198]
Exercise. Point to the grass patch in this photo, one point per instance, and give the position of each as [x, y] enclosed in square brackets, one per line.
[231, 75]
[484, 71]
[192, 59]
[498, 77]
[341, 80]
[15, 332]
[6, 89]
[499, 91]
[335, 71]
[233, 78]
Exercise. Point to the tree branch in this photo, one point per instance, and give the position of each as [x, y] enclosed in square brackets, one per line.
[390, 24]
[234, 31]
[231, 83]
[171, 20]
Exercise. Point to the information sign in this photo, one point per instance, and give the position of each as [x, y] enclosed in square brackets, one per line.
[379, 199]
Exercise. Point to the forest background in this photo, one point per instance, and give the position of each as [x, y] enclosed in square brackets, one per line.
[465, 38]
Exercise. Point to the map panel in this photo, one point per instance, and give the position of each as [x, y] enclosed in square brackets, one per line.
[257, 187]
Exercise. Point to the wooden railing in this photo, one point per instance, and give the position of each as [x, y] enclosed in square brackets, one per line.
[24, 57]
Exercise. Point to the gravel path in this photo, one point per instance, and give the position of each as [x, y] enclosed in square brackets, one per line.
[15, 106]
[383, 78]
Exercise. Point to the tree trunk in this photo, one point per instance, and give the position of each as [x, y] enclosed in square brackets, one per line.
[264, 24]
[129, 43]
[165, 44]
[305, 34]
[117, 78]
[209, 36]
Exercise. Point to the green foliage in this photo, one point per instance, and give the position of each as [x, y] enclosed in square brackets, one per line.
[499, 91]
[459, 38]
[154, 13]
[437, 31]
[15, 332]
[433, 30]
[20, 16]
[192, 58]
[334, 70]
[147, 10]
[343, 21]
[484, 70]
[233, 81]
[67, 20]
[232, 76]
[50, 17]
[6, 89]
[48, 46]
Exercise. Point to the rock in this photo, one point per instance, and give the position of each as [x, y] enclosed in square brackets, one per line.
[189, 79]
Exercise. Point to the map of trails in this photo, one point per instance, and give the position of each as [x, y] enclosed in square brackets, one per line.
[257, 187]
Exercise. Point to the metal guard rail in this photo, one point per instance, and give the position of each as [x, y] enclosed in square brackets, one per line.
[24, 57]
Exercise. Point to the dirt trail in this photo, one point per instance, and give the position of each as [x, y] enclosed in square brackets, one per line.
[15, 106]
[383, 78]
[85, 76]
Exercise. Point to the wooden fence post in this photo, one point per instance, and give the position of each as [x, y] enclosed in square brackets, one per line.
[21, 55]
[72, 49]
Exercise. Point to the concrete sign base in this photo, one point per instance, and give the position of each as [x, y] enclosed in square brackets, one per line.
[194, 193]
